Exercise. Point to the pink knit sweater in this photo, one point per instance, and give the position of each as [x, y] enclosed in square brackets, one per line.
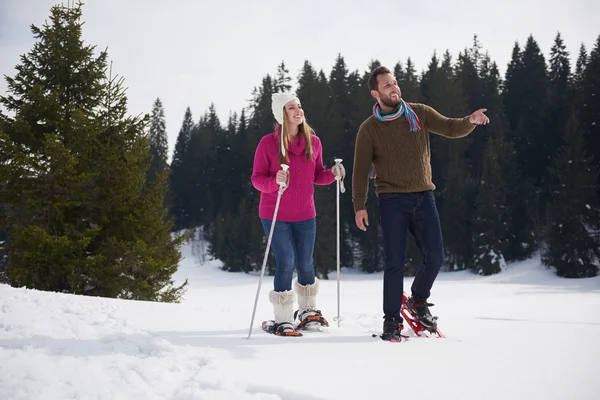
[297, 202]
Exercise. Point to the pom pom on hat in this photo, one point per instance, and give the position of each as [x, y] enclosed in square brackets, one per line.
[278, 101]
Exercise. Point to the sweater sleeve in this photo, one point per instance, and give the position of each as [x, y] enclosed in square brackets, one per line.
[363, 158]
[261, 179]
[322, 176]
[448, 127]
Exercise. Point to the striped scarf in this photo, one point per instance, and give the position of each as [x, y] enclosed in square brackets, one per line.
[405, 109]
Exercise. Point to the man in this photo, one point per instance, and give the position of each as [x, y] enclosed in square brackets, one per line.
[395, 139]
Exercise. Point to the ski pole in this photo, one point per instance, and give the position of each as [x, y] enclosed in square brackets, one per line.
[340, 188]
[264, 264]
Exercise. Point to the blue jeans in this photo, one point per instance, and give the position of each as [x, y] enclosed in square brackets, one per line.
[400, 213]
[293, 244]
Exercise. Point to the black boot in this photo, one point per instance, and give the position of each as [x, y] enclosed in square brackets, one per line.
[420, 309]
[392, 328]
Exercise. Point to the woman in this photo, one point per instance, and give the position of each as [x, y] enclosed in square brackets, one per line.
[295, 144]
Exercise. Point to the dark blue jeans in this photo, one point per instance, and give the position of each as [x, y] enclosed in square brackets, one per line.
[400, 213]
[293, 244]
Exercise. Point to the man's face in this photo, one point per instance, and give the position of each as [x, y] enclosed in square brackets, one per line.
[388, 92]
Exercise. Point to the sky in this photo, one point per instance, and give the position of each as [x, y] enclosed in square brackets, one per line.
[193, 53]
[524, 334]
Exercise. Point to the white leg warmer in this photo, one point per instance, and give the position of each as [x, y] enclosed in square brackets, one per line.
[307, 295]
[283, 305]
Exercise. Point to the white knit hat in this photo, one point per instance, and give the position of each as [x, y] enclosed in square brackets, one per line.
[278, 101]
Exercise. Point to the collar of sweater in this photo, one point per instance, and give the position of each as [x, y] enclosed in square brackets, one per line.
[296, 146]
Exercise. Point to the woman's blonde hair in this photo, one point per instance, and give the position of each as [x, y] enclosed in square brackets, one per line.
[303, 129]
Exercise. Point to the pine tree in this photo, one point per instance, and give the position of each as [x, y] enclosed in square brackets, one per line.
[261, 119]
[518, 234]
[531, 143]
[365, 250]
[512, 91]
[467, 73]
[559, 98]
[135, 243]
[582, 60]
[409, 83]
[158, 142]
[242, 249]
[282, 82]
[428, 79]
[455, 210]
[590, 102]
[491, 216]
[398, 72]
[53, 96]
[348, 109]
[468, 78]
[180, 178]
[81, 219]
[572, 242]
[315, 97]
[206, 164]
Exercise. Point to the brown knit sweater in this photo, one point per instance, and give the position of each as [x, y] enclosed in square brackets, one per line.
[401, 158]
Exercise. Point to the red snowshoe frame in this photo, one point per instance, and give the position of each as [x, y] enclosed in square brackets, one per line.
[413, 321]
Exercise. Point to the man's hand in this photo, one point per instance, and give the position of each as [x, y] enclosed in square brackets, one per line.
[362, 220]
[479, 118]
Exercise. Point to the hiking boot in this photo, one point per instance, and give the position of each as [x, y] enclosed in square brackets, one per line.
[420, 309]
[392, 328]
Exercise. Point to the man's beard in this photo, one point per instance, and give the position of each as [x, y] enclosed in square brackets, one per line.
[390, 103]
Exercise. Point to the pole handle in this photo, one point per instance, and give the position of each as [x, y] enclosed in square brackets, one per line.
[338, 178]
[282, 185]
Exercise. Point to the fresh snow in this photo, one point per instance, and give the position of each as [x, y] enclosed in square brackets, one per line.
[522, 334]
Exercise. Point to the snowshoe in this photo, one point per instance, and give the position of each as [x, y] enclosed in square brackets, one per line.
[310, 319]
[419, 318]
[282, 329]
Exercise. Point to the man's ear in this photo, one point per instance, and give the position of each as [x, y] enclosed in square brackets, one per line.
[375, 94]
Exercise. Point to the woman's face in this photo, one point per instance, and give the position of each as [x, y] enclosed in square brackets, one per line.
[294, 113]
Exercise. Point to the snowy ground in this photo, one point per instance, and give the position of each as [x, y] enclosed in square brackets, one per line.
[524, 334]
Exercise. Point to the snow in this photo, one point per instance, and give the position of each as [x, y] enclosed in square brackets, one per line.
[522, 334]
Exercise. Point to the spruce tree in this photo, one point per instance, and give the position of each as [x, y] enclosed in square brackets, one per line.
[47, 188]
[512, 94]
[409, 83]
[443, 92]
[315, 103]
[518, 235]
[491, 216]
[243, 249]
[471, 85]
[180, 178]
[559, 103]
[81, 218]
[531, 141]
[366, 251]
[282, 81]
[140, 253]
[428, 79]
[158, 142]
[581, 63]
[572, 242]
[590, 103]
[455, 215]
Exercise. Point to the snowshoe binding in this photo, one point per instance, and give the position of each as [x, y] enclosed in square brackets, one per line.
[282, 329]
[310, 319]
